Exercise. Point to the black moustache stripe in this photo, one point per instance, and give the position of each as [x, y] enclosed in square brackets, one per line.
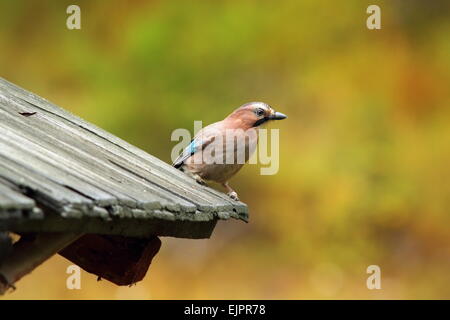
[261, 121]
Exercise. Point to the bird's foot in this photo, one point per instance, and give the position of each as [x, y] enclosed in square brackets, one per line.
[233, 195]
[200, 181]
[194, 176]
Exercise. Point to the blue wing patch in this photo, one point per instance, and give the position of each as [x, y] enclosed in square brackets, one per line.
[187, 152]
[192, 147]
[195, 145]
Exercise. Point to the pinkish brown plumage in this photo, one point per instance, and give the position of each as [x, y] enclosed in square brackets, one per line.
[211, 156]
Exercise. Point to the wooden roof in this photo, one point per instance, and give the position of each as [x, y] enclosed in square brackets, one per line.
[59, 173]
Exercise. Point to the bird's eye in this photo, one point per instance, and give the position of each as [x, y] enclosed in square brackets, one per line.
[259, 112]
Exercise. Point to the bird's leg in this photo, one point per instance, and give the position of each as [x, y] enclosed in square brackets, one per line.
[199, 180]
[230, 192]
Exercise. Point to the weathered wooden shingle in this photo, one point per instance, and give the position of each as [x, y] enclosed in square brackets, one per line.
[59, 173]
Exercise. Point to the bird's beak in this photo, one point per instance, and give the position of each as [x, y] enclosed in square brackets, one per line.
[278, 116]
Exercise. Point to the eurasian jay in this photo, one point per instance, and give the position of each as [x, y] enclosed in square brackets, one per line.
[213, 154]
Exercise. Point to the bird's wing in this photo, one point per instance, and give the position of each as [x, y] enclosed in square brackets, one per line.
[197, 144]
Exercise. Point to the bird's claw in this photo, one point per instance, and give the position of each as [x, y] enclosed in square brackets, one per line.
[233, 195]
[200, 181]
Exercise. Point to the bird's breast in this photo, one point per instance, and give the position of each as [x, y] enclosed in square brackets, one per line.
[225, 156]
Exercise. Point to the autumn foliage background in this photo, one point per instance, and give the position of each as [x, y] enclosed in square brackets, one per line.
[364, 156]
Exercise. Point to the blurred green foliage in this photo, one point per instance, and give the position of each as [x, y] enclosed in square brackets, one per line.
[365, 153]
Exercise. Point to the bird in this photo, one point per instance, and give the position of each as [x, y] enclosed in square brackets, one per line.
[211, 157]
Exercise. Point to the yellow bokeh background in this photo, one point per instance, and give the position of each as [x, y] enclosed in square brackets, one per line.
[364, 155]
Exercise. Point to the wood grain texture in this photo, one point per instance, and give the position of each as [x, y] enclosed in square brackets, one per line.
[60, 173]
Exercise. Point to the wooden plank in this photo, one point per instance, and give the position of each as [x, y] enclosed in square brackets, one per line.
[27, 254]
[132, 227]
[161, 182]
[11, 199]
[81, 139]
[105, 163]
[139, 155]
[46, 191]
[71, 153]
[21, 158]
[45, 171]
[20, 146]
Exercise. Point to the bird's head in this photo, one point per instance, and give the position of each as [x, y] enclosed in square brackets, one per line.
[254, 114]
